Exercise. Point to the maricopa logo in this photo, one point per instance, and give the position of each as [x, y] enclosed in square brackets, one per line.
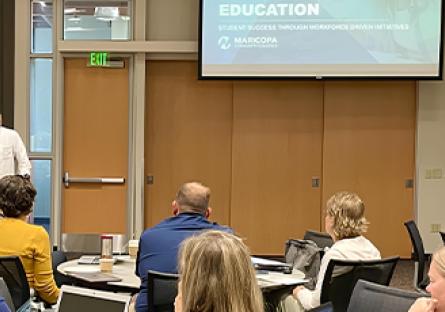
[224, 42]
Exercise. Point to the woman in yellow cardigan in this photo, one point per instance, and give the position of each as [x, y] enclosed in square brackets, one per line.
[19, 238]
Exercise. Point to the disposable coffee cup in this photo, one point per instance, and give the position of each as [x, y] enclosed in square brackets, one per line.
[133, 246]
[106, 264]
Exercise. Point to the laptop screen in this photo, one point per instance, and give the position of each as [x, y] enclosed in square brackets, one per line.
[74, 299]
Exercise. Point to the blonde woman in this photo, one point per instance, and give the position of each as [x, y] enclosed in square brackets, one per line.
[216, 275]
[436, 287]
[345, 223]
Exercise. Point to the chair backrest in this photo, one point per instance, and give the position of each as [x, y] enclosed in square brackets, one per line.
[342, 275]
[418, 252]
[322, 240]
[442, 234]
[370, 297]
[4, 292]
[161, 291]
[76, 244]
[12, 272]
[59, 257]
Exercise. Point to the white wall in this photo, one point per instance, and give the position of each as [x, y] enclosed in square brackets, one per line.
[430, 155]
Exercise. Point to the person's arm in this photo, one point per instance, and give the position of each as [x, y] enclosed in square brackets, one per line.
[23, 163]
[44, 283]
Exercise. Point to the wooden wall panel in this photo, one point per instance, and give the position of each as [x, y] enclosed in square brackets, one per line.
[277, 139]
[188, 137]
[369, 130]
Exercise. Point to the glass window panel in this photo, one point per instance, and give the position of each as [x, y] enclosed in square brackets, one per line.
[41, 178]
[97, 20]
[42, 26]
[41, 105]
[181, 24]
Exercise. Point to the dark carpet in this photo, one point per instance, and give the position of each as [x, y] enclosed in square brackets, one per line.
[403, 275]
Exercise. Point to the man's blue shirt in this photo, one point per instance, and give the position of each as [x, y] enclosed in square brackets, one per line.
[159, 245]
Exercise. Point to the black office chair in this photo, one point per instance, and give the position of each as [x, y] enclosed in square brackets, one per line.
[442, 234]
[322, 240]
[12, 272]
[371, 297]
[342, 275]
[59, 257]
[421, 279]
[4, 292]
[162, 289]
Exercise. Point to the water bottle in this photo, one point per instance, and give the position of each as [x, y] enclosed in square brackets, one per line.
[106, 246]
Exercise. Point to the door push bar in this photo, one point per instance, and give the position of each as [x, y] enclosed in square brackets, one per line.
[67, 180]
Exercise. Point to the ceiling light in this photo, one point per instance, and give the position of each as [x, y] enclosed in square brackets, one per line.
[70, 10]
[107, 12]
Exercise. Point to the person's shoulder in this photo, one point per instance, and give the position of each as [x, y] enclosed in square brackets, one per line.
[335, 251]
[160, 226]
[37, 230]
[8, 132]
[373, 250]
[359, 246]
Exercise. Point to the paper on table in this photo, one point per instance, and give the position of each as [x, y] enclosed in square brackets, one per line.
[281, 279]
[267, 262]
[125, 258]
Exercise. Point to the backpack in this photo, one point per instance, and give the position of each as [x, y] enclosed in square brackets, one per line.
[304, 255]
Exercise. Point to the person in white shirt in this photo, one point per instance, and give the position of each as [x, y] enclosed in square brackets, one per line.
[12, 150]
[345, 223]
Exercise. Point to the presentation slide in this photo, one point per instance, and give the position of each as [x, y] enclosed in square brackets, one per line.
[324, 38]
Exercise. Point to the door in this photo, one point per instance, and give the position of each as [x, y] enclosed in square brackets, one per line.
[369, 130]
[95, 144]
[276, 155]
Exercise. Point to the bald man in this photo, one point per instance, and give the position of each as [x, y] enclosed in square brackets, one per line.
[158, 246]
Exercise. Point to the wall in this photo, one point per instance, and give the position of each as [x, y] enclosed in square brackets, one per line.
[430, 155]
[259, 144]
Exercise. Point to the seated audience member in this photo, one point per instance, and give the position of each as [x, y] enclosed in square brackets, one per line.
[158, 246]
[345, 223]
[436, 287]
[216, 274]
[3, 306]
[19, 238]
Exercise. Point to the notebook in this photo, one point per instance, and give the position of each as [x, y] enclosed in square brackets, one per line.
[74, 299]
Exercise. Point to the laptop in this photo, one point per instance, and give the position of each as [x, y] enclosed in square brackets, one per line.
[74, 299]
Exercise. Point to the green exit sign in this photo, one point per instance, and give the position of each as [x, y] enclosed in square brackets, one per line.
[99, 59]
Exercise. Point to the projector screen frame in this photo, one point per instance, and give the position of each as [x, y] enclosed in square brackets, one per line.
[201, 76]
